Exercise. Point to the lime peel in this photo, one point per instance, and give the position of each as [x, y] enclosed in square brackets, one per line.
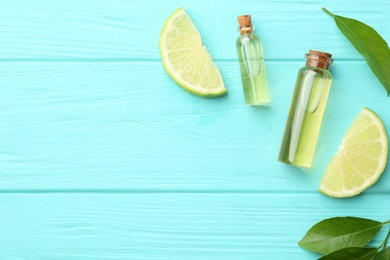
[185, 58]
[360, 159]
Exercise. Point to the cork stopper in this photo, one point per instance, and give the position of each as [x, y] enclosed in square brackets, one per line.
[319, 59]
[245, 24]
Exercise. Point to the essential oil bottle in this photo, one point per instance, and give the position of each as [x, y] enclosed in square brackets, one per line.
[253, 74]
[307, 110]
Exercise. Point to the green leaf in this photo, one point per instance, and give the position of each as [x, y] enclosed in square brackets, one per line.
[335, 233]
[352, 253]
[369, 44]
[384, 254]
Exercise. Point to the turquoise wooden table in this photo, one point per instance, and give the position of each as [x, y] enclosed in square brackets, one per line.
[102, 156]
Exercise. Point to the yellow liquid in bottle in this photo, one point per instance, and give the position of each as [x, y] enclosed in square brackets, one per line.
[253, 74]
[305, 118]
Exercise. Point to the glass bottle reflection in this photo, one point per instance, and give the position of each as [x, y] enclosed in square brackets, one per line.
[307, 110]
[253, 74]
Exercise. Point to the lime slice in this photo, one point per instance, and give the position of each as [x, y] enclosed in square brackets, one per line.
[360, 160]
[186, 59]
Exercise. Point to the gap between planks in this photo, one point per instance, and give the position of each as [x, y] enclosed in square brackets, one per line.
[172, 191]
[86, 60]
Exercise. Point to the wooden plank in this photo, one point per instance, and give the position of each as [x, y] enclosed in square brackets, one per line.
[115, 29]
[127, 126]
[168, 226]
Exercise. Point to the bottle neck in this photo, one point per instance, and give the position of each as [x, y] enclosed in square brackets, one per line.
[246, 30]
[318, 61]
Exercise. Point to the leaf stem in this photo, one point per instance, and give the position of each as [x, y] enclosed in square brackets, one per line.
[327, 12]
[386, 222]
[384, 243]
[386, 239]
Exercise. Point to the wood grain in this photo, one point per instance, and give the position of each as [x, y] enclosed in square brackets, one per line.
[167, 226]
[127, 126]
[102, 156]
[129, 30]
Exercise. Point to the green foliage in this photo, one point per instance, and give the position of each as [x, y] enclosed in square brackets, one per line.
[335, 233]
[352, 253]
[369, 44]
[384, 254]
[345, 238]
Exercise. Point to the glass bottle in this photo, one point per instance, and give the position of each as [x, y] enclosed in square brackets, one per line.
[307, 110]
[253, 74]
